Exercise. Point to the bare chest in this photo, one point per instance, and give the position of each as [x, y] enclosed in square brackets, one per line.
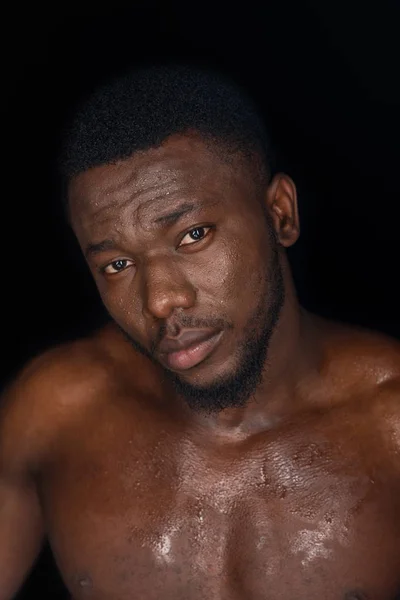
[151, 517]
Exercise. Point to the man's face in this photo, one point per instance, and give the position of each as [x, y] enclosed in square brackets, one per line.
[216, 267]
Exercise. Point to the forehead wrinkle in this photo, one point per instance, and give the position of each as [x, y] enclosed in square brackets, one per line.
[172, 187]
[147, 175]
[141, 183]
[163, 202]
[156, 192]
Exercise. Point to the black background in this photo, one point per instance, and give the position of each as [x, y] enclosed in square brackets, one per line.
[325, 74]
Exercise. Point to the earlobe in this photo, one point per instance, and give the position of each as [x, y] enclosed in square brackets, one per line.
[283, 208]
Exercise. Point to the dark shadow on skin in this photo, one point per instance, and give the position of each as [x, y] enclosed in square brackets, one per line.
[360, 595]
[356, 595]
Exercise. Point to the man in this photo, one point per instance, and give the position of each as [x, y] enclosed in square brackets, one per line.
[215, 440]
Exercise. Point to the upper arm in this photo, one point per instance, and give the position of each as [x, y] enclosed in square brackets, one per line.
[21, 523]
[50, 393]
[21, 533]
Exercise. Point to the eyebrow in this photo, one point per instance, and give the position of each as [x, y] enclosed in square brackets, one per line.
[168, 219]
[93, 249]
[174, 216]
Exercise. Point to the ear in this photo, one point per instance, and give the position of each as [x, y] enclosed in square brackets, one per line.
[282, 206]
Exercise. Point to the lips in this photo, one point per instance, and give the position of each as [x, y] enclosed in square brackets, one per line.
[191, 348]
[185, 340]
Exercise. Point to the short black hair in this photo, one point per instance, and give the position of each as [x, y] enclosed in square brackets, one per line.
[143, 107]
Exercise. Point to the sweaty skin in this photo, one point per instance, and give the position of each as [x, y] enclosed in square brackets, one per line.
[269, 470]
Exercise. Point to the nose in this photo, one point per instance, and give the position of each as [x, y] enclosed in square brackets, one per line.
[165, 289]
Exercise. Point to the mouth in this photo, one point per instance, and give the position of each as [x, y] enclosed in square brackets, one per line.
[193, 355]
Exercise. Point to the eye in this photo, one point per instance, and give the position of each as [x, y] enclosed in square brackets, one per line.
[116, 266]
[197, 235]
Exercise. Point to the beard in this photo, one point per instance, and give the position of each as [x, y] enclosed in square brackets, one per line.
[234, 390]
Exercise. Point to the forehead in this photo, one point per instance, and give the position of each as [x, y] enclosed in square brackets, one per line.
[182, 166]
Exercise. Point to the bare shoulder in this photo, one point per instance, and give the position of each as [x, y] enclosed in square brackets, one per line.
[52, 390]
[359, 354]
[365, 366]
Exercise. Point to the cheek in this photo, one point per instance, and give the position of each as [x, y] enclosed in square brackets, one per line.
[238, 275]
[119, 301]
